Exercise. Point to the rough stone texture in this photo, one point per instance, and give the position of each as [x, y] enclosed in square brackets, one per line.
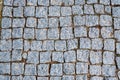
[81, 68]
[96, 57]
[82, 55]
[105, 20]
[108, 57]
[56, 69]
[108, 70]
[43, 69]
[85, 43]
[60, 40]
[95, 69]
[17, 68]
[57, 56]
[109, 44]
[30, 69]
[70, 56]
[69, 68]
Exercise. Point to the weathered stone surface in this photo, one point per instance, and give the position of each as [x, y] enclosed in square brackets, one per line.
[43, 69]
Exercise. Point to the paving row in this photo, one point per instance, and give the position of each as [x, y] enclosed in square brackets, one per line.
[60, 40]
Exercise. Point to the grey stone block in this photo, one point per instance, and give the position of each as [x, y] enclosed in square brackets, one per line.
[99, 8]
[17, 32]
[83, 55]
[16, 55]
[68, 77]
[66, 33]
[105, 2]
[18, 22]
[4, 68]
[18, 12]
[81, 68]
[105, 20]
[53, 22]
[108, 70]
[108, 57]
[77, 10]
[41, 34]
[69, 68]
[29, 11]
[56, 2]
[43, 2]
[97, 44]
[42, 23]
[5, 33]
[66, 11]
[42, 78]
[45, 57]
[5, 45]
[7, 11]
[96, 57]
[111, 78]
[56, 70]
[30, 69]
[115, 2]
[18, 44]
[80, 31]
[5, 56]
[8, 2]
[17, 68]
[118, 62]
[19, 2]
[109, 44]
[70, 56]
[60, 45]
[33, 57]
[65, 21]
[17, 77]
[88, 9]
[79, 2]
[54, 10]
[68, 2]
[81, 77]
[79, 20]
[108, 9]
[55, 78]
[32, 2]
[107, 32]
[31, 22]
[48, 45]
[95, 69]
[94, 32]
[116, 23]
[29, 78]
[41, 12]
[26, 45]
[36, 45]
[96, 78]
[6, 22]
[85, 43]
[117, 48]
[92, 1]
[92, 20]
[43, 70]
[72, 44]
[4, 77]
[28, 33]
[116, 11]
[53, 33]
[57, 56]
[116, 35]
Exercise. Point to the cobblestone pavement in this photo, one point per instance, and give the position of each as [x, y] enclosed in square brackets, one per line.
[60, 40]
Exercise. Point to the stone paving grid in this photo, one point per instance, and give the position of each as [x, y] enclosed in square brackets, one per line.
[60, 40]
